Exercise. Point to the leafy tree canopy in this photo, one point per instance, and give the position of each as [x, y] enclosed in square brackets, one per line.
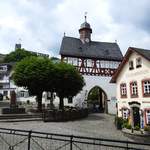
[69, 81]
[40, 74]
[93, 96]
[17, 55]
[34, 73]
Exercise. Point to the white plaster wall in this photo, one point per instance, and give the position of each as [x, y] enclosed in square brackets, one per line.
[103, 83]
[137, 74]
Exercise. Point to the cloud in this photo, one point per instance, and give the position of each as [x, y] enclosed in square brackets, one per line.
[41, 23]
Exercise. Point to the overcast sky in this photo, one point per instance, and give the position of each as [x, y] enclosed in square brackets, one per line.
[41, 23]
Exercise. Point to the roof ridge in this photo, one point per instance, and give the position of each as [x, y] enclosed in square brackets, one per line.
[91, 40]
[139, 48]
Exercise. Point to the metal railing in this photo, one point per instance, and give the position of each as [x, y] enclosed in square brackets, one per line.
[12, 139]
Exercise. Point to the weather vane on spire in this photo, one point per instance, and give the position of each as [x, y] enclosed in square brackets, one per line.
[85, 15]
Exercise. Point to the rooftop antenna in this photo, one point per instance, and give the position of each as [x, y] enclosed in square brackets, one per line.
[64, 34]
[85, 16]
[116, 41]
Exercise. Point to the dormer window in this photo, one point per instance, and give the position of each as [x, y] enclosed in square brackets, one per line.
[138, 62]
[131, 67]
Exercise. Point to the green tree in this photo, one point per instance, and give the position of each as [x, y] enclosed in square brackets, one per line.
[68, 82]
[93, 96]
[35, 74]
[17, 55]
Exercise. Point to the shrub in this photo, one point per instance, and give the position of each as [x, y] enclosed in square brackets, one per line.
[69, 113]
[137, 128]
[119, 122]
[147, 128]
[128, 126]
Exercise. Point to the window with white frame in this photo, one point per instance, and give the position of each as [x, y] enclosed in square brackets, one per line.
[138, 62]
[148, 116]
[22, 93]
[123, 90]
[146, 87]
[134, 89]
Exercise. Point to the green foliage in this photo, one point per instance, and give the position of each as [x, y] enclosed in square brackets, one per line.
[128, 126]
[39, 74]
[55, 59]
[93, 96]
[69, 81]
[17, 55]
[137, 127]
[119, 122]
[35, 74]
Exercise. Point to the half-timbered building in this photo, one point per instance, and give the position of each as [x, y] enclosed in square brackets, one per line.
[96, 61]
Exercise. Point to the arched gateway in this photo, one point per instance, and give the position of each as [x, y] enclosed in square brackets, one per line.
[96, 99]
[96, 61]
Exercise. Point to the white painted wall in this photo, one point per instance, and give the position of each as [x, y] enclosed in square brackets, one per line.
[137, 74]
[103, 83]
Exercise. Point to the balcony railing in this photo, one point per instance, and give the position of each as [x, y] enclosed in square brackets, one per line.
[12, 139]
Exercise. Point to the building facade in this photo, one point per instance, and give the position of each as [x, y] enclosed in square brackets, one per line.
[6, 86]
[133, 87]
[96, 61]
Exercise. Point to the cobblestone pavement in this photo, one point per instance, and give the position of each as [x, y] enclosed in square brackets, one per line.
[95, 125]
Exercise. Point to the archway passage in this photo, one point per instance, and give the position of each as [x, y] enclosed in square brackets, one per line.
[97, 100]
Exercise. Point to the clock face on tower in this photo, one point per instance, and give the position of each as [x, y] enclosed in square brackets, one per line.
[87, 40]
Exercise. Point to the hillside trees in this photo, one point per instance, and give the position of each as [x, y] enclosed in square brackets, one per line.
[17, 55]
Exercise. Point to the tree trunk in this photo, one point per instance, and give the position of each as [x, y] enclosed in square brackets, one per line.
[39, 101]
[61, 103]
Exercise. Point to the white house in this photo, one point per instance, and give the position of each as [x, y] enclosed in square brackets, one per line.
[6, 86]
[133, 86]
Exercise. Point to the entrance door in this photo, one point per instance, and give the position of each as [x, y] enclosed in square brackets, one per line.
[136, 116]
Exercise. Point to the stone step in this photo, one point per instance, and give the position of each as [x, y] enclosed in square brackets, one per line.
[4, 104]
[21, 120]
[20, 116]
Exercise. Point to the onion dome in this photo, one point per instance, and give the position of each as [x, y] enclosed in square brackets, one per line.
[85, 25]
